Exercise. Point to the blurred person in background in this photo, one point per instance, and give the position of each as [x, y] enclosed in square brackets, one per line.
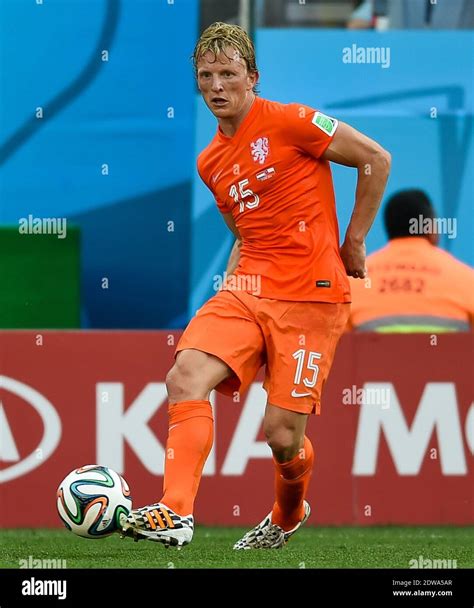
[425, 14]
[412, 285]
[362, 18]
[360, 14]
[313, 13]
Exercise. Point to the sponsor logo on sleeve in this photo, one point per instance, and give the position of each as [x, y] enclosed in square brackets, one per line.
[325, 123]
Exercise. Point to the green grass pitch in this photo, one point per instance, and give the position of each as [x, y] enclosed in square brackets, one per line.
[312, 547]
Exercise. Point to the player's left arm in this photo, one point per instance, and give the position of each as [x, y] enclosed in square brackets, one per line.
[354, 149]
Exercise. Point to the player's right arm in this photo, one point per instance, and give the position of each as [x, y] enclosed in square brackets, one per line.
[235, 253]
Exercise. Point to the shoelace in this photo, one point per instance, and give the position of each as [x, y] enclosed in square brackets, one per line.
[269, 536]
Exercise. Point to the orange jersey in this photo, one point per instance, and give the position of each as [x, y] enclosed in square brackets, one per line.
[271, 177]
[411, 283]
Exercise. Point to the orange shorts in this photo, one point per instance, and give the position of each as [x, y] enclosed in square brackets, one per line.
[296, 342]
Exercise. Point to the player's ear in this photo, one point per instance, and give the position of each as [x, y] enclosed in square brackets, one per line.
[253, 78]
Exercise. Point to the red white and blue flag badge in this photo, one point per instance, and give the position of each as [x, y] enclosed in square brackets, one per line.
[266, 174]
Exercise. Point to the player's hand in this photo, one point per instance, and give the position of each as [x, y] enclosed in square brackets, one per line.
[353, 257]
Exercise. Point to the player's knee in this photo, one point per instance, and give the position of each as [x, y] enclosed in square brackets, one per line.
[283, 442]
[181, 383]
[186, 381]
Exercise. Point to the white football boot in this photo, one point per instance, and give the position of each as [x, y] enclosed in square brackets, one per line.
[160, 524]
[269, 536]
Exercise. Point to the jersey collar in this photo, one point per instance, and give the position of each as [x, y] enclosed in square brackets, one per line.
[248, 118]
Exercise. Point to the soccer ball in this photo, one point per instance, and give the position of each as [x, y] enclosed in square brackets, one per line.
[93, 501]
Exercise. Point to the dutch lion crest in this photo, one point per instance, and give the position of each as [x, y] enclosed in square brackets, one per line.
[260, 149]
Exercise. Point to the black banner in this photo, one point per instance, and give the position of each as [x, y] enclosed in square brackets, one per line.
[382, 588]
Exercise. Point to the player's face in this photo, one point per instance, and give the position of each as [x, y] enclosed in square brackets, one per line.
[224, 83]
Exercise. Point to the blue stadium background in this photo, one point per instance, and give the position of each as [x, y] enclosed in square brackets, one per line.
[149, 225]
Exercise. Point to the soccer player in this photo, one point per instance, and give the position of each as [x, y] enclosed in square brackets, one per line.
[286, 301]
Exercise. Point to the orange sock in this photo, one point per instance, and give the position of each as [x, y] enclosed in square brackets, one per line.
[291, 483]
[191, 429]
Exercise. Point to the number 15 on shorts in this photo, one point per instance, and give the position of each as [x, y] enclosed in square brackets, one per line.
[311, 370]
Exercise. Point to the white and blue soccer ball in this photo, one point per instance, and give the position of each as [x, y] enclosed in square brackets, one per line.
[93, 501]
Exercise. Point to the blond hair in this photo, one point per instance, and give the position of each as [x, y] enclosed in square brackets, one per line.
[220, 35]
